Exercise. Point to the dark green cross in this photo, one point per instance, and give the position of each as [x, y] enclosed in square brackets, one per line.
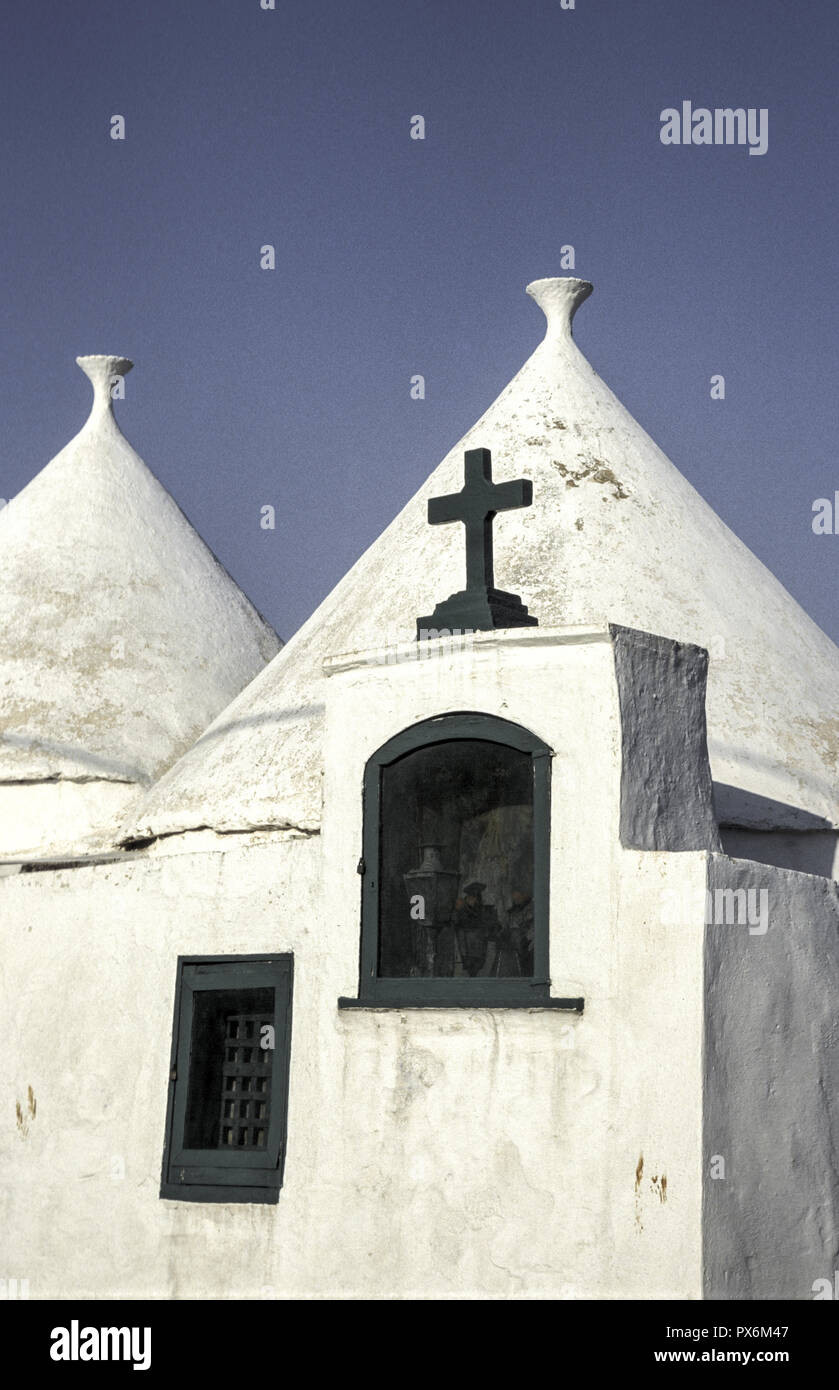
[480, 605]
[476, 505]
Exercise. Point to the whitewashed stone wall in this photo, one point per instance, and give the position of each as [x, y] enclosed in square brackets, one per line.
[495, 1153]
[45, 819]
[771, 1085]
[435, 1153]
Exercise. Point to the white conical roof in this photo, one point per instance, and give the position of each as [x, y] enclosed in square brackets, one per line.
[614, 534]
[121, 635]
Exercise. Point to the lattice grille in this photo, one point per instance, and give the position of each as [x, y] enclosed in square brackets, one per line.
[246, 1083]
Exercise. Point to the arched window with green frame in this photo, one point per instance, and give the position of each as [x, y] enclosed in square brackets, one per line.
[455, 883]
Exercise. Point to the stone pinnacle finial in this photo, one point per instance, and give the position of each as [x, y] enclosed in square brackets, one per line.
[559, 298]
[101, 370]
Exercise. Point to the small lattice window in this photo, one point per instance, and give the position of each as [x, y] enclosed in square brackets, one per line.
[229, 1079]
[246, 1076]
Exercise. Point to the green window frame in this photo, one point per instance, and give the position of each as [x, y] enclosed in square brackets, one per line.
[377, 991]
[215, 1173]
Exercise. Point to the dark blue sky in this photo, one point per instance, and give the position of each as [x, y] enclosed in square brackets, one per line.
[395, 256]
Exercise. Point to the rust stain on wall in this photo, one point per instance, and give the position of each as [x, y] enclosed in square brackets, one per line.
[590, 468]
[639, 1173]
[22, 1117]
[659, 1186]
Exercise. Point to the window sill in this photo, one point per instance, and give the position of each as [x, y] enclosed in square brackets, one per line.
[183, 1192]
[533, 1006]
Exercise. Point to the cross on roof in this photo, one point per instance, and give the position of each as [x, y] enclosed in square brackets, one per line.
[476, 505]
[479, 605]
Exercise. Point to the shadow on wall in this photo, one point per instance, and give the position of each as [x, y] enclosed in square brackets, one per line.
[773, 832]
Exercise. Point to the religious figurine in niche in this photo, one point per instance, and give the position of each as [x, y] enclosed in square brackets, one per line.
[505, 957]
[515, 945]
[475, 924]
[510, 945]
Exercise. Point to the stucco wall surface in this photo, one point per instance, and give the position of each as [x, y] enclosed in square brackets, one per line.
[771, 1212]
[666, 787]
[431, 1153]
[62, 817]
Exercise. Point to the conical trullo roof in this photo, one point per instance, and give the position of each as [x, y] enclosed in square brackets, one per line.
[121, 635]
[614, 534]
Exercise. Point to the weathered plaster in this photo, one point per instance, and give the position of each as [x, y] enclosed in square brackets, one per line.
[62, 816]
[666, 789]
[808, 851]
[430, 1153]
[771, 1112]
[485, 1153]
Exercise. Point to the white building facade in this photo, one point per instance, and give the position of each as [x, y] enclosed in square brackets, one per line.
[424, 970]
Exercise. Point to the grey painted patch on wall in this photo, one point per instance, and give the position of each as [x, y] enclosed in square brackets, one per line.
[770, 1213]
[666, 786]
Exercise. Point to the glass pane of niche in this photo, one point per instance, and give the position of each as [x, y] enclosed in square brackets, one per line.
[231, 1056]
[456, 868]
